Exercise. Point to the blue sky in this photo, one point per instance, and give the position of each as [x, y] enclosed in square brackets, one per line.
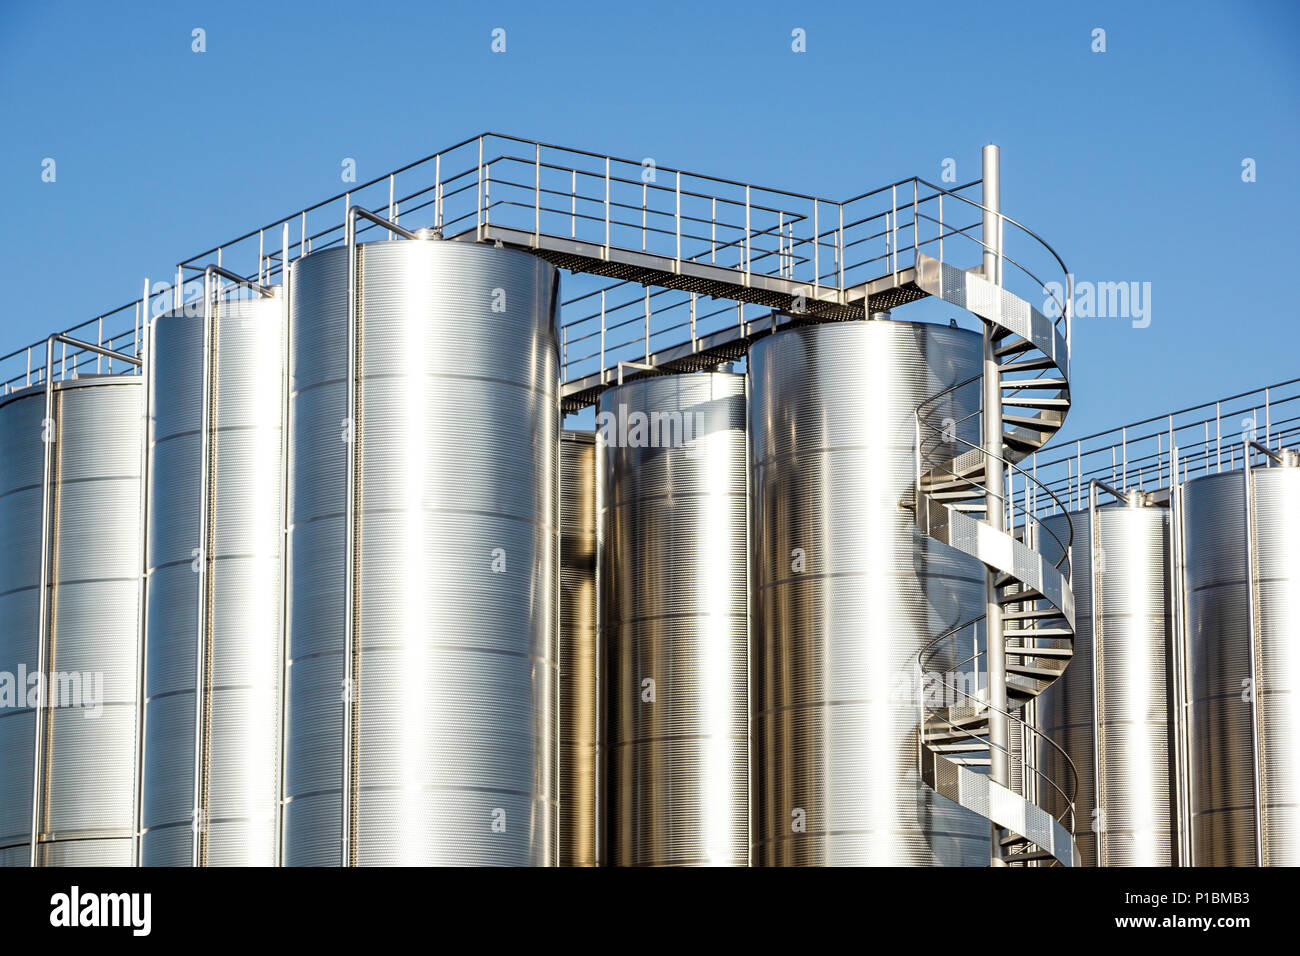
[1128, 161]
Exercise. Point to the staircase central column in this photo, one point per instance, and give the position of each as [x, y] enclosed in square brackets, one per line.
[995, 642]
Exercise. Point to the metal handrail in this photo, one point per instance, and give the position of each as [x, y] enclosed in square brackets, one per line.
[920, 475]
[798, 229]
[922, 662]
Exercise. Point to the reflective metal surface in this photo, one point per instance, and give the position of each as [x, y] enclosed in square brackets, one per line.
[846, 590]
[240, 594]
[1223, 594]
[454, 704]
[1123, 701]
[88, 789]
[671, 546]
[579, 701]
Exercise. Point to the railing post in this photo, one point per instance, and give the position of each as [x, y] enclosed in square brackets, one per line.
[606, 208]
[437, 190]
[893, 230]
[478, 210]
[694, 342]
[537, 195]
[745, 249]
[817, 265]
[839, 255]
[679, 221]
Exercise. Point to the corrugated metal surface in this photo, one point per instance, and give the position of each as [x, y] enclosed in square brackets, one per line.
[244, 588]
[671, 540]
[1222, 788]
[455, 695]
[579, 701]
[845, 592]
[1133, 823]
[88, 803]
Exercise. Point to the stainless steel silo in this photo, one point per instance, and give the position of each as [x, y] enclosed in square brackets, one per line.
[579, 701]
[214, 601]
[672, 572]
[1242, 593]
[423, 557]
[1111, 712]
[846, 590]
[82, 776]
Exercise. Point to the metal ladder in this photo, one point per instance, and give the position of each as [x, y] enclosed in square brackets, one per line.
[956, 751]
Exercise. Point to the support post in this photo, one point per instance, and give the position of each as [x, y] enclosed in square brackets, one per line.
[995, 644]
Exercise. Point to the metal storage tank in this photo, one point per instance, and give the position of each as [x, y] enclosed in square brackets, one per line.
[846, 590]
[451, 757]
[672, 556]
[87, 775]
[579, 702]
[1111, 712]
[214, 566]
[1243, 631]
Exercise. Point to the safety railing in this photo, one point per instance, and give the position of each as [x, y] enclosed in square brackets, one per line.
[533, 194]
[1210, 437]
[953, 703]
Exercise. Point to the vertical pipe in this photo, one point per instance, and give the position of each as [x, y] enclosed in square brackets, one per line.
[145, 354]
[1178, 665]
[49, 437]
[1252, 628]
[1098, 720]
[198, 824]
[286, 487]
[995, 644]
[349, 571]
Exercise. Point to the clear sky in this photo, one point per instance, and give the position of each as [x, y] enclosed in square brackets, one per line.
[1129, 161]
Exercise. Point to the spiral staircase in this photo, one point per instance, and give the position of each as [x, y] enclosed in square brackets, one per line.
[1037, 609]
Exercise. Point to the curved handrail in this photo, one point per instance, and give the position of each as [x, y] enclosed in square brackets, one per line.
[922, 660]
[1066, 545]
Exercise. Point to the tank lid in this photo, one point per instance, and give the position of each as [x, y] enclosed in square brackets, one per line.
[428, 232]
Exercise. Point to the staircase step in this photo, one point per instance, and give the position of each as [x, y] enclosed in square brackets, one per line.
[1026, 420]
[1029, 594]
[1053, 632]
[967, 746]
[1030, 614]
[1044, 382]
[1015, 348]
[1030, 364]
[1034, 401]
[1064, 652]
[1028, 670]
